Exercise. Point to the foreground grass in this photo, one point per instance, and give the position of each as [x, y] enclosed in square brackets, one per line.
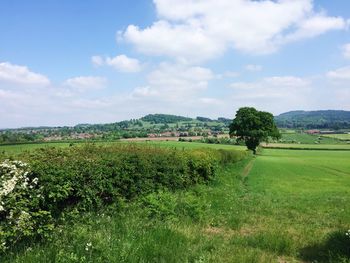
[283, 206]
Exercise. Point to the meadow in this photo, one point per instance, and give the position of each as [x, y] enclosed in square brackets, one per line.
[19, 148]
[297, 137]
[280, 206]
[342, 137]
[331, 147]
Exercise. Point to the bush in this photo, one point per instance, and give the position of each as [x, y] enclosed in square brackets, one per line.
[21, 198]
[89, 177]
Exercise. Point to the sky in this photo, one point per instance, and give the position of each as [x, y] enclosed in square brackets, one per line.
[66, 62]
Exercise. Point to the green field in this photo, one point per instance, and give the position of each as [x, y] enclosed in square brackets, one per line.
[345, 147]
[16, 149]
[342, 137]
[304, 138]
[282, 206]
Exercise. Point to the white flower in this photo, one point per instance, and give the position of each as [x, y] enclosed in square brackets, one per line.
[88, 246]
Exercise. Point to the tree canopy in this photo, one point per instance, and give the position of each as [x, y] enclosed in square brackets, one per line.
[253, 127]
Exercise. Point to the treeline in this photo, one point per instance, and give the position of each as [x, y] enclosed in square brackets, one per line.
[164, 118]
[10, 137]
[50, 183]
[329, 119]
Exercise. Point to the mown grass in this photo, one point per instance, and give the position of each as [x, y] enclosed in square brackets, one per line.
[283, 206]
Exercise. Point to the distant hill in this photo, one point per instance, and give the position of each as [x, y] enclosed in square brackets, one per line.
[322, 119]
[164, 118]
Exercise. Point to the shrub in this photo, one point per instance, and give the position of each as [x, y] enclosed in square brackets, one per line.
[89, 177]
[20, 201]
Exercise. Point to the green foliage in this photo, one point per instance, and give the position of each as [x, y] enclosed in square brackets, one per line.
[253, 127]
[324, 119]
[91, 177]
[291, 206]
[164, 118]
[21, 198]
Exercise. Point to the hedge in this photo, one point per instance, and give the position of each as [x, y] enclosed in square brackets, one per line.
[49, 181]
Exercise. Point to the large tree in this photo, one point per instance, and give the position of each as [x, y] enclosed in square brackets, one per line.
[253, 127]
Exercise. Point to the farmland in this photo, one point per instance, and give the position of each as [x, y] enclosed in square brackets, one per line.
[19, 148]
[281, 206]
[342, 137]
[307, 146]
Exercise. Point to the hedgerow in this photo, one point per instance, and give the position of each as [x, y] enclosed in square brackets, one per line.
[35, 191]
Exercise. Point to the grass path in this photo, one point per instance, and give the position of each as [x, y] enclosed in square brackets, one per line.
[247, 169]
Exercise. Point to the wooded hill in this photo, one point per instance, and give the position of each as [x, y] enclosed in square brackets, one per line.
[322, 119]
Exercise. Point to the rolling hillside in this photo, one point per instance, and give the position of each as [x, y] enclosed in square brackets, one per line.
[323, 119]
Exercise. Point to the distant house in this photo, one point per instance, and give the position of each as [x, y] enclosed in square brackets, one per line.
[167, 134]
[313, 131]
[327, 132]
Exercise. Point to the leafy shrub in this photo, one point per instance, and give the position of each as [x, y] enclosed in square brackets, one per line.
[20, 201]
[89, 177]
[164, 205]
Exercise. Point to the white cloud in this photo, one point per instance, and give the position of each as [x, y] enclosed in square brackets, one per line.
[253, 68]
[184, 42]
[276, 94]
[314, 26]
[121, 63]
[21, 75]
[175, 82]
[85, 83]
[210, 101]
[283, 88]
[195, 31]
[340, 74]
[346, 51]
[146, 91]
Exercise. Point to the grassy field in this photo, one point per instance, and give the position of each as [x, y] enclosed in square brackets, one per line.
[16, 149]
[304, 138]
[342, 137]
[345, 147]
[282, 206]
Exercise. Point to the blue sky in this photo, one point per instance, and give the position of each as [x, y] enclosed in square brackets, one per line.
[68, 62]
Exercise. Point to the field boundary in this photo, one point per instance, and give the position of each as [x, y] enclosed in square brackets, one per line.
[305, 148]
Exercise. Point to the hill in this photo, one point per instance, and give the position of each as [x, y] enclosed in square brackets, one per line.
[322, 119]
[164, 118]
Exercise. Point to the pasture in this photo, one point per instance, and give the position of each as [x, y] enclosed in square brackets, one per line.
[304, 138]
[18, 148]
[281, 206]
[332, 147]
[342, 137]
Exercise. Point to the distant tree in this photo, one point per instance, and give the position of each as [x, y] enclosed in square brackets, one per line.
[253, 127]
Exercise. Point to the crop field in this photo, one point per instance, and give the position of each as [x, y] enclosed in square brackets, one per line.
[281, 206]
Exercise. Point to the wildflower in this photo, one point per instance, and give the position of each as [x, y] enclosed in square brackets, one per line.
[88, 246]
